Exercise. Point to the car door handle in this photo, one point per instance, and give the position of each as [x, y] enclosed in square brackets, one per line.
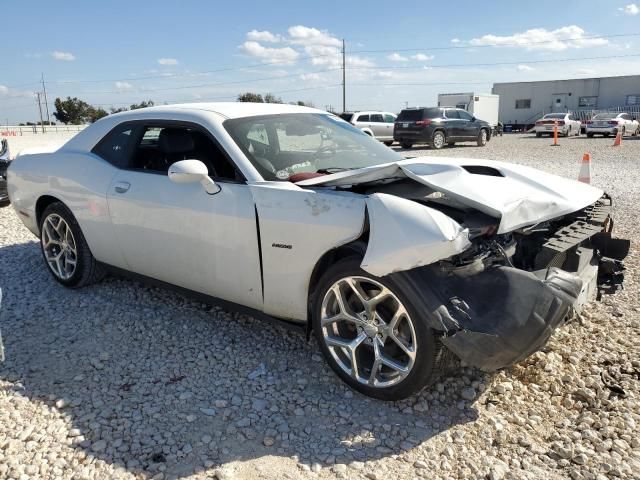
[122, 187]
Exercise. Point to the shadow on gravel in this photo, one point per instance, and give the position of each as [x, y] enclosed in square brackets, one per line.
[153, 381]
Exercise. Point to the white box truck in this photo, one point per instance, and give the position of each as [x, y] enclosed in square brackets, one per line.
[483, 106]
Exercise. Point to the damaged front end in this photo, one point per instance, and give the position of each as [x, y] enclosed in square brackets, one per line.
[498, 302]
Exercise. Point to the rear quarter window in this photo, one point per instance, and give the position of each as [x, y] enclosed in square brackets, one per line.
[419, 114]
[115, 146]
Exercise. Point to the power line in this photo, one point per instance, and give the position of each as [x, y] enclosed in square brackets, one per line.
[491, 45]
[337, 53]
[494, 64]
[216, 84]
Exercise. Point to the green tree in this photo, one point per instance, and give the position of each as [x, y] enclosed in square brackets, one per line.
[250, 97]
[94, 114]
[271, 98]
[143, 104]
[72, 110]
[118, 110]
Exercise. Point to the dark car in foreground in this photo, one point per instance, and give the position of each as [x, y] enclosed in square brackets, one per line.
[4, 164]
[439, 126]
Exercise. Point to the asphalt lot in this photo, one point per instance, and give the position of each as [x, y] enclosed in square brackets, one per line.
[121, 380]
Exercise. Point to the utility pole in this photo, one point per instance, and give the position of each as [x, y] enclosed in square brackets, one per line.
[46, 103]
[40, 109]
[344, 80]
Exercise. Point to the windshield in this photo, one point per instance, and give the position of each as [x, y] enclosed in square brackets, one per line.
[281, 145]
[605, 116]
[555, 115]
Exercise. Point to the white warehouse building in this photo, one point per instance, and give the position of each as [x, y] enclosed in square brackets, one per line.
[522, 103]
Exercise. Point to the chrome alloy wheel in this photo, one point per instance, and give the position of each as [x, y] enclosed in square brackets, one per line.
[368, 331]
[59, 246]
[438, 140]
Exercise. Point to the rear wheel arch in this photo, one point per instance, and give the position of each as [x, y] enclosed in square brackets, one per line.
[41, 205]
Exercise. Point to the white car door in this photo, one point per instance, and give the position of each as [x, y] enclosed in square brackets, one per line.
[378, 126]
[178, 233]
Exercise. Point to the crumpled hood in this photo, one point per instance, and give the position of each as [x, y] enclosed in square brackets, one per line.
[519, 196]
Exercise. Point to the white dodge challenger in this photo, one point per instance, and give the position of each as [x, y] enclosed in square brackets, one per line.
[292, 212]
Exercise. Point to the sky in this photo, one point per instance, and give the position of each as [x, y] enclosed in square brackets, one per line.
[113, 54]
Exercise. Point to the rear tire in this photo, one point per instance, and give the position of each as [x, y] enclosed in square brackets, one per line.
[438, 140]
[389, 143]
[482, 137]
[589, 135]
[406, 144]
[538, 135]
[422, 352]
[606, 135]
[65, 250]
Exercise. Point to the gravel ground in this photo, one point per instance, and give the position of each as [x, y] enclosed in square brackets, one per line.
[121, 380]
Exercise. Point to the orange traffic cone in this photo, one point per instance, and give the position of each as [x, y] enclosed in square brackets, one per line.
[618, 141]
[585, 169]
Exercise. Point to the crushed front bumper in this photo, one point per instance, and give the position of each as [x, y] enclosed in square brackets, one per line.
[503, 314]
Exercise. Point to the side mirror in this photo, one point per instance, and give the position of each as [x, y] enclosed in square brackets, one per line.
[191, 171]
[473, 119]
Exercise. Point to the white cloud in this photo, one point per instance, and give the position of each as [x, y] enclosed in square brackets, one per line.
[123, 86]
[167, 61]
[525, 68]
[4, 90]
[310, 77]
[301, 35]
[586, 71]
[455, 40]
[631, 9]
[280, 55]
[384, 74]
[421, 57]
[263, 36]
[396, 57]
[63, 56]
[562, 38]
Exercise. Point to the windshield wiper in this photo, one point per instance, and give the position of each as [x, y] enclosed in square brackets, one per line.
[329, 170]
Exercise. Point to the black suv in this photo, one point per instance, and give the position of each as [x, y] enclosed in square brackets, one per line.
[439, 126]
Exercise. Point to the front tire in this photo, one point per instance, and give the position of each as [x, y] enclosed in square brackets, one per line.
[65, 250]
[389, 143]
[372, 332]
[482, 138]
[406, 145]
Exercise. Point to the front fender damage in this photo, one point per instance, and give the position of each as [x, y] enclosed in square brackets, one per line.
[502, 315]
[405, 235]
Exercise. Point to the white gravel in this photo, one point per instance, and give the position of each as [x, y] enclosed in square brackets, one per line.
[120, 380]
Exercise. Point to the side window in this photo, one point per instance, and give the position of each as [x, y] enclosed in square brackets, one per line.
[464, 115]
[376, 117]
[160, 146]
[363, 118]
[453, 114]
[116, 145]
[389, 118]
